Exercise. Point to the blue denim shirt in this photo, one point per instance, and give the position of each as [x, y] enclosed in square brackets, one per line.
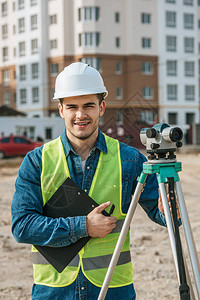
[30, 226]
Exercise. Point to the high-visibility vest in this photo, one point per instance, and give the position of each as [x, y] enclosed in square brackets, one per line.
[95, 257]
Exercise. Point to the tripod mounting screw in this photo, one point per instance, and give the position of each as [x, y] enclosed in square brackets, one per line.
[179, 144]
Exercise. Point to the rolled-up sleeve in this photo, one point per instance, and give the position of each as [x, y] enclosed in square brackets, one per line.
[28, 223]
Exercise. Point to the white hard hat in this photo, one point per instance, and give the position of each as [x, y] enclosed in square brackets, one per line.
[79, 79]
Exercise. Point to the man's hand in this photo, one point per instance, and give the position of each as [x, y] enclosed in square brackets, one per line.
[99, 225]
[160, 205]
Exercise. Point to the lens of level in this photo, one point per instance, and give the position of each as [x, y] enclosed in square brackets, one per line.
[176, 134]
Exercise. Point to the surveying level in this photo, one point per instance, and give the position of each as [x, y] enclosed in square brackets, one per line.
[161, 142]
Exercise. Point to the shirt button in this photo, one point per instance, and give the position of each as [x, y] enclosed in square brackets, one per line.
[82, 288]
[88, 168]
[85, 190]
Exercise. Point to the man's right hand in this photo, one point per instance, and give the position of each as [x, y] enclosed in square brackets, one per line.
[99, 225]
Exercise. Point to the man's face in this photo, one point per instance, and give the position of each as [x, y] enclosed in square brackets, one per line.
[81, 115]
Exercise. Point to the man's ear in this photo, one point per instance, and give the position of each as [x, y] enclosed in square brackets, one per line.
[60, 107]
[102, 108]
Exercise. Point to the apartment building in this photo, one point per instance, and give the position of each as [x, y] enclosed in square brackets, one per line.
[146, 50]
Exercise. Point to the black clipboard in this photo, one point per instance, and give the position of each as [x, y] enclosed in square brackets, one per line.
[68, 201]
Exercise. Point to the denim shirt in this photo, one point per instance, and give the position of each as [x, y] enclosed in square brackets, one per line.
[30, 226]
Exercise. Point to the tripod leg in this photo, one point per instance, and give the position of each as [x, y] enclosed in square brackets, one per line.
[189, 238]
[169, 226]
[121, 240]
[192, 296]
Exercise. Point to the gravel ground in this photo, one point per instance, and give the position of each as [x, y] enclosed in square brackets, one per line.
[154, 271]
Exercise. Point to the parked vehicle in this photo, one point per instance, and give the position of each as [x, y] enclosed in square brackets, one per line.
[15, 145]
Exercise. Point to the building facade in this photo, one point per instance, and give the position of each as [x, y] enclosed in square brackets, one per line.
[146, 50]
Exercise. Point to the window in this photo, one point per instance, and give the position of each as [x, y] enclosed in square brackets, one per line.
[53, 44]
[34, 46]
[89, 39]
[118, 93]
[22, 49]
[190, 118]
[170, 1]
[145, 18]
[6, 78]
[33, 22]
[13, 6]
[20, 4]
[4, 30]
[188, 21]
[190, 92]
[14, 29]
[87, 14]
[48, 133]
[53, 19]
[199, 24]
[172, 118]
[54, 69]
[14, 52]
[52, 93]
[189, 68]
[172, 92]
[5, 53]
[119, 118]
[34, 70]
[118, 67]
[7, 98]
[170, 19]
[21, 25]
[189, 45]
[5, 140]
[171, 43]
[117, 42]
[171, 68]
[94, 62]
[147, 68]
[188, 2]
[146, 43]
[147, 92]
[20, 140]
[22, 72]
[35, 94]
[33, 2]
[117, 17]
[22, 93]
[147, 116]
[4, 9]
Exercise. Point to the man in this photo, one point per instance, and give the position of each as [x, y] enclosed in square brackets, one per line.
[105, 169]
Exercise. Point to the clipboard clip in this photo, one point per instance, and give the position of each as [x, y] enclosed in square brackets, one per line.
[111, 210]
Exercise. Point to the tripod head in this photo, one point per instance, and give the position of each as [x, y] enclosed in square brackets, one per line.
[161, 141]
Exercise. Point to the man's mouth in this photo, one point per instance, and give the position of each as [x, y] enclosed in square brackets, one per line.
[82, 124]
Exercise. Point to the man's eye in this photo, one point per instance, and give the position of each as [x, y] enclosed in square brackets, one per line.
[70, 107]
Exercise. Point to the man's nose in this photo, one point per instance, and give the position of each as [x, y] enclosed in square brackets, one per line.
[80, 114]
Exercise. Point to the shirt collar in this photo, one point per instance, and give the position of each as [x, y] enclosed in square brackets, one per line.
[100, 144]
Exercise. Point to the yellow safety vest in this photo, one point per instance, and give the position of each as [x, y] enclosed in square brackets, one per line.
[94, 258]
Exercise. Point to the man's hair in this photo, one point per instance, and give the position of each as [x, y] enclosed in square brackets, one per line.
[100, 97]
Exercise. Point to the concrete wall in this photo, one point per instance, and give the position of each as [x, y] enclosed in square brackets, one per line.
[33, 127]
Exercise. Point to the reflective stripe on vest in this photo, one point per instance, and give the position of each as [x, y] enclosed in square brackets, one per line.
[96, 255]
[91, 263]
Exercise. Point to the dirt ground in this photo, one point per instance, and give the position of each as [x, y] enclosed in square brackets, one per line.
[154, 271]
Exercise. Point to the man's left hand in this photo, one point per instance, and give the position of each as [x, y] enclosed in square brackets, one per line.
[160, 205]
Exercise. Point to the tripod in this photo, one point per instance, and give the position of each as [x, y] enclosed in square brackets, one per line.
[166, 171]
